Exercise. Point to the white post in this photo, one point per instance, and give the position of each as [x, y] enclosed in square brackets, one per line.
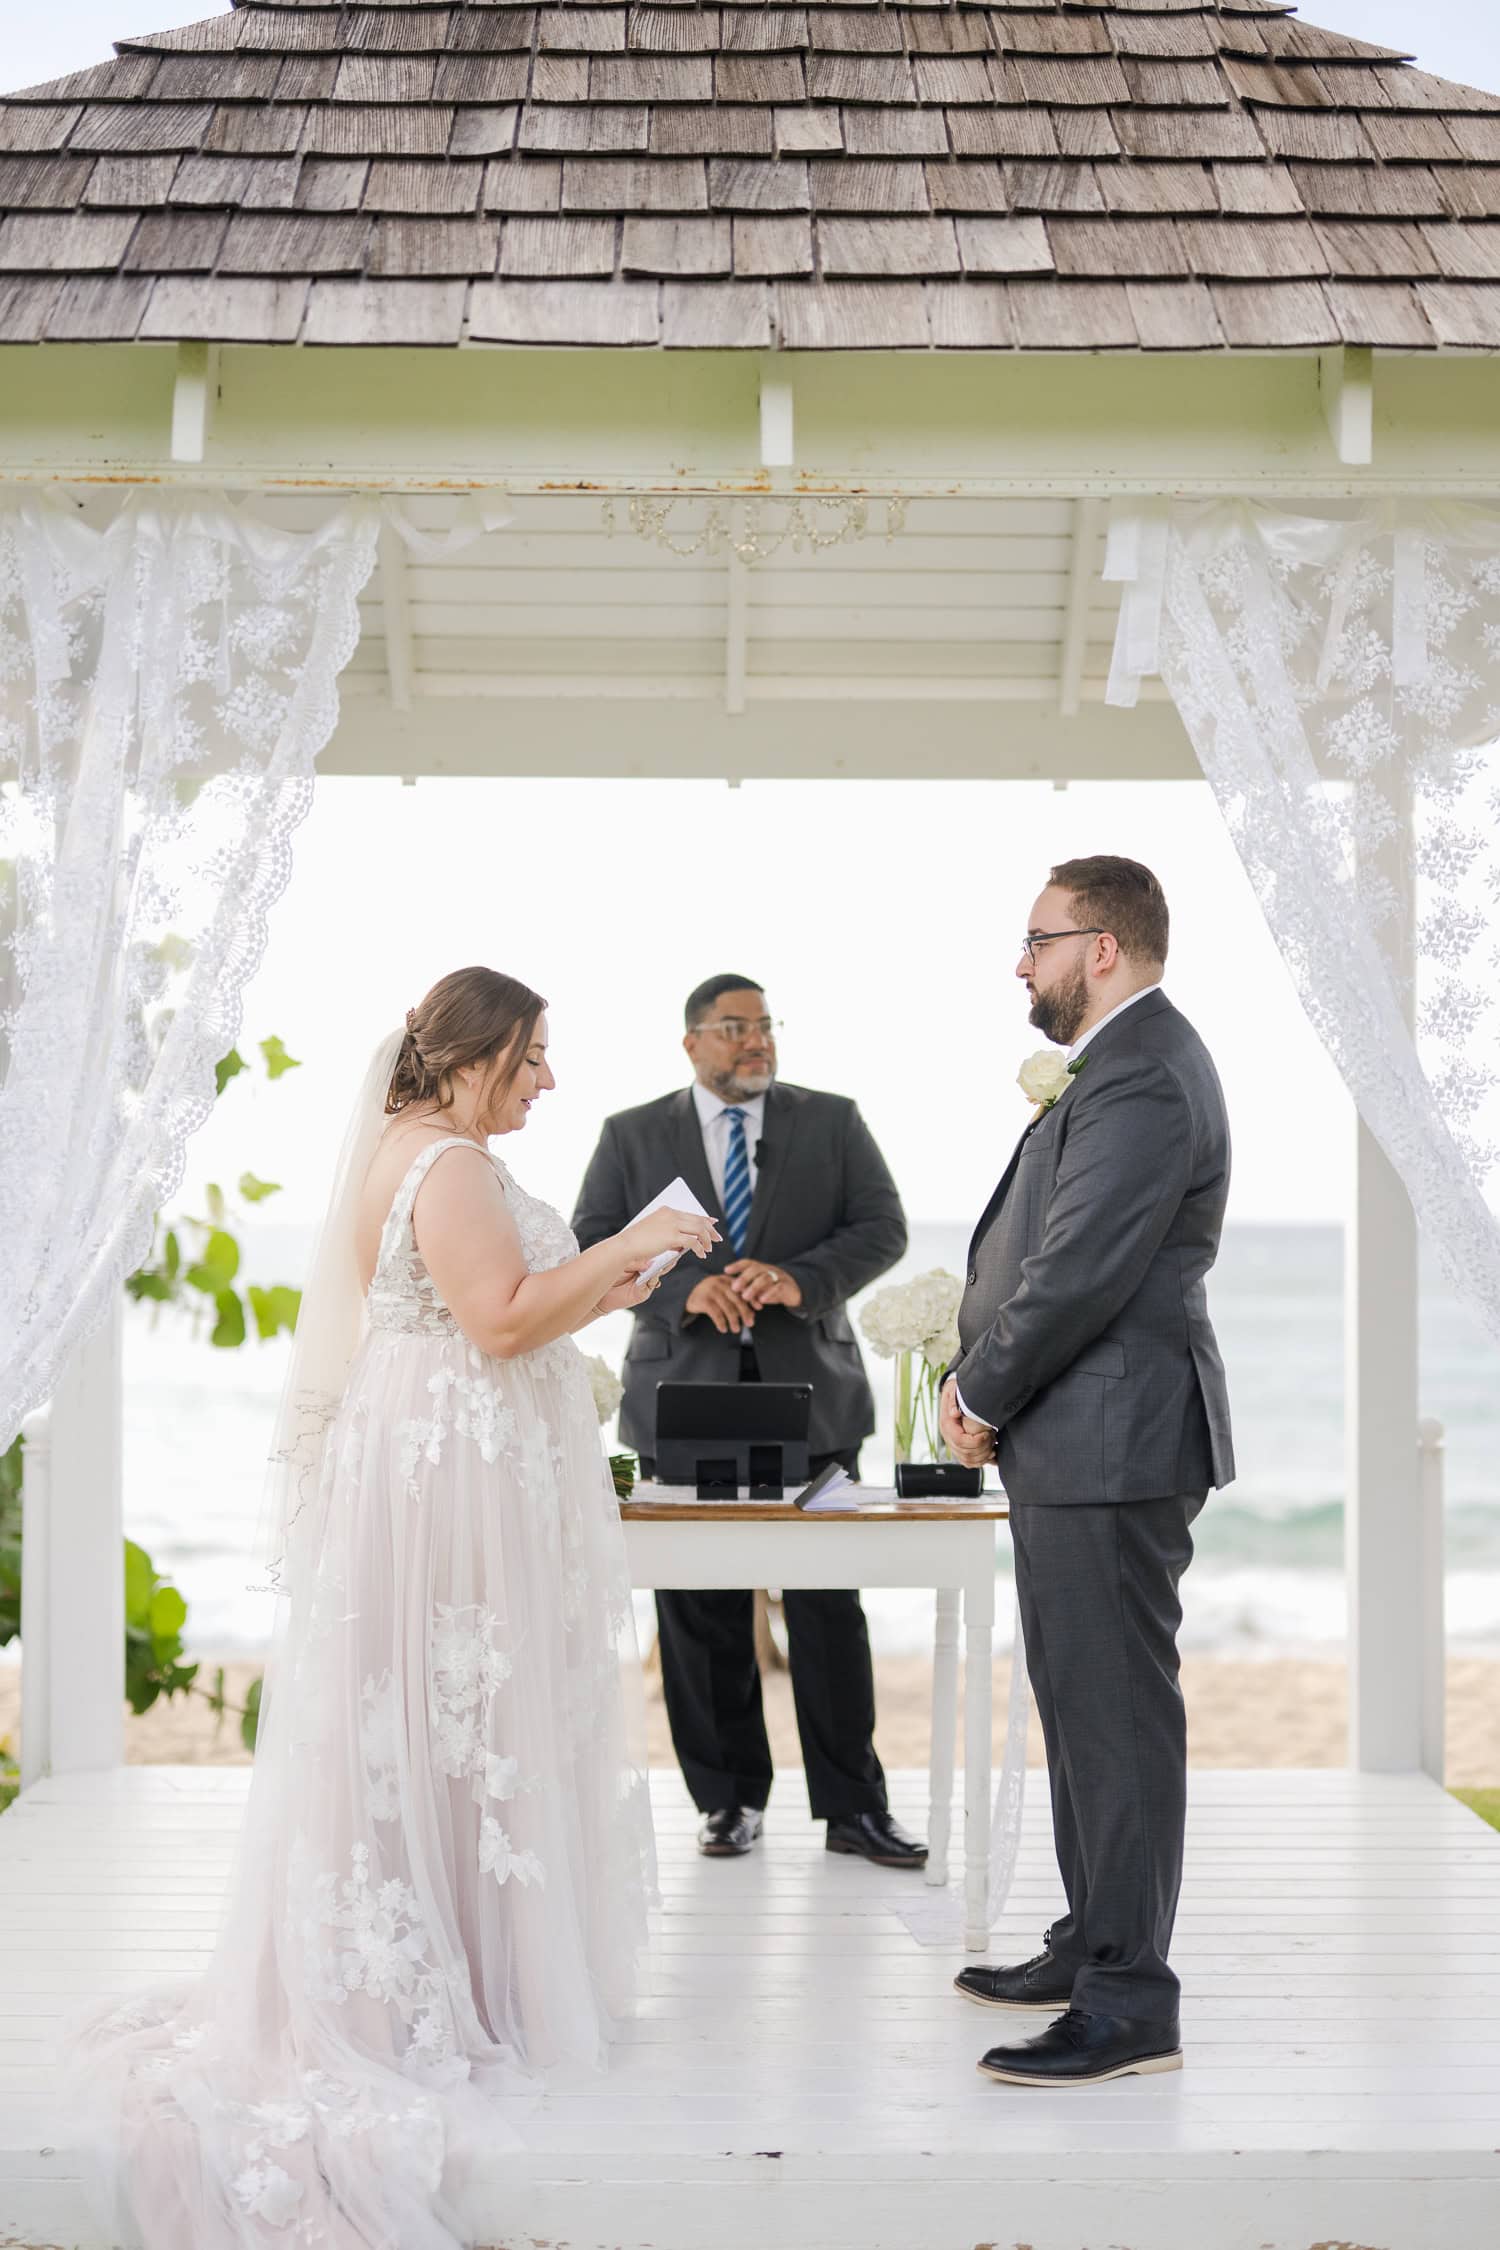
[1434, 1607]
[1383, 1496]
[1383, 1513]
[36, 1599]
[73, 1578]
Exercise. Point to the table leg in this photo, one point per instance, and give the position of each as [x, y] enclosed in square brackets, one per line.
[944, 1720]
[979, 1627]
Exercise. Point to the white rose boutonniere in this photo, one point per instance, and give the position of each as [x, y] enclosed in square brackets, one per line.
[1044, 1077]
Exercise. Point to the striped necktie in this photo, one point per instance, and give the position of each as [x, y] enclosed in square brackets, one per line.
[737, 1182]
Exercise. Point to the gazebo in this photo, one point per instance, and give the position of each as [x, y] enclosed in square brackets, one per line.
[747, 390]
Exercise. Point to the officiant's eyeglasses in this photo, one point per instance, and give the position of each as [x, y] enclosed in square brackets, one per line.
[1045, 937]
[736, 1029]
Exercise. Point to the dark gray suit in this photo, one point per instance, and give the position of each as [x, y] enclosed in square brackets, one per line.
[1085, 1340]
[826, 1212]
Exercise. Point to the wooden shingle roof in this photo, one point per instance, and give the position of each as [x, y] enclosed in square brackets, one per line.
[1065, 174]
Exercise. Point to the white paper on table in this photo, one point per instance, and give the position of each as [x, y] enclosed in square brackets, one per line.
[675, 1196]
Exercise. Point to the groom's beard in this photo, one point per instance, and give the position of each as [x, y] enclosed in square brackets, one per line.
[1058, 1015]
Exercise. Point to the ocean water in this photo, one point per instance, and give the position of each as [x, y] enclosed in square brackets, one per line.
[1268, 1576]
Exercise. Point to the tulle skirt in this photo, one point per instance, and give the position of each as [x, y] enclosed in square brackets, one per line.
[442, 1883]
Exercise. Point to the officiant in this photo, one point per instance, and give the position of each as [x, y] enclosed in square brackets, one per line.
[809, 1215]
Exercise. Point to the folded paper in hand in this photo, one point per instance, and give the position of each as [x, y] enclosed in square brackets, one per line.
[675, 1196]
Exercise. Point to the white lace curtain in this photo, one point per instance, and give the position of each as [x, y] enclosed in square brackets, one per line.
[1339, 678]
[166, 684]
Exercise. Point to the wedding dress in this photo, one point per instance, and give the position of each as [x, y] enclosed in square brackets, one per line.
[447, 1853]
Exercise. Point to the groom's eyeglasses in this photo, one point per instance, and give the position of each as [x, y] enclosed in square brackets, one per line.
[1045, 937]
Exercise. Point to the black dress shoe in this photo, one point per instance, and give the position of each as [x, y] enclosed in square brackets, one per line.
[728, 1834]
[1081, 2050]
[1041, 1982]
[875, 1836]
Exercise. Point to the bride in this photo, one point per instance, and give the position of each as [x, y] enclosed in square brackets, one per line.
[447, 1854]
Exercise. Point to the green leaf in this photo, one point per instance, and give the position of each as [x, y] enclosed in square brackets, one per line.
[229, 1329]
[146, 1284]
[256, 1191]
[274, 1309]
[221, 1255]
[171, 1255]
[140, 1582]
[213, 1196]
[250, 1720]
[278, 1061]
[227, 1067]
[167, 1614]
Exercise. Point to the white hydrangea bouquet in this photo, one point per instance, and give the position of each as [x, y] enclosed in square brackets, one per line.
[608, 1391]
[915, 1323]
[606, 1386]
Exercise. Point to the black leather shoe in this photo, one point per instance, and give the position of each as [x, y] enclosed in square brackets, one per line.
[875, 1836]
[730, 1833]
[1080, 2050]
[1041, 1982]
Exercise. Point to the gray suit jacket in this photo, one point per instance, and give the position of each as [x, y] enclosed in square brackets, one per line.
[825, 1210]
[1084, 1331]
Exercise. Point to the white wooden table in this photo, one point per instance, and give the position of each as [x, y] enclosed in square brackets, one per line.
[699, 1544]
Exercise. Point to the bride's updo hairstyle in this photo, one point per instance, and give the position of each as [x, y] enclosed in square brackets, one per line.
[471, 1016]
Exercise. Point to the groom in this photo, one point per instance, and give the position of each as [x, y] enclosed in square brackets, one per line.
[1088, 1370]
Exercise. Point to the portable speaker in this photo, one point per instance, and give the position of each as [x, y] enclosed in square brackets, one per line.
[937, 1480]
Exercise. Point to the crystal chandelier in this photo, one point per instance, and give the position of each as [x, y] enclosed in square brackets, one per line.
[757, 527]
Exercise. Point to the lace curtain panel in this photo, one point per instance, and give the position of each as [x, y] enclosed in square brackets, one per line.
[166, 684]
[1339, 678]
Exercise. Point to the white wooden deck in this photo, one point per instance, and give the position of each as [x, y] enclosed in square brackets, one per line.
[800, 2074]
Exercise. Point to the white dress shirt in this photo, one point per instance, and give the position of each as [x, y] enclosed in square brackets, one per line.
[713, 1121]
[1073, 1053]
[1094, 1028]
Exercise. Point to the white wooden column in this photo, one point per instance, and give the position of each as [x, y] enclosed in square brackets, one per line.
[73, 1576]
[1383, 1504]
[1384, 1541]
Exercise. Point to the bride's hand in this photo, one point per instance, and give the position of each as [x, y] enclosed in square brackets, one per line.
[626, 1295]
[665, 1230]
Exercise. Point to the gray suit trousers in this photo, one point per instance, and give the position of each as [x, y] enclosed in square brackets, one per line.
[1099, 1609]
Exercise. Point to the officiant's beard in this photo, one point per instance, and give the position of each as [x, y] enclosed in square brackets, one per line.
[1058, 1015]
[737, 1084]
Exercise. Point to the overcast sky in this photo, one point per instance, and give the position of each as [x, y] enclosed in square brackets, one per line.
[890, 960]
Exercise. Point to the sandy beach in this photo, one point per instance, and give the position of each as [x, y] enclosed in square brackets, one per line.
[1278, 1711]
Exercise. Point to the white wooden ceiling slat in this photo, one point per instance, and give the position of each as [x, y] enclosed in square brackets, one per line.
[456, 660]
[435, 626]
[563, 591]
[548, 552]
